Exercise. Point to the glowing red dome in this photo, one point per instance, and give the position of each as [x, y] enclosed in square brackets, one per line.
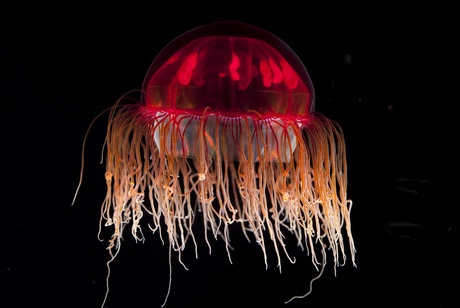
[231, 69]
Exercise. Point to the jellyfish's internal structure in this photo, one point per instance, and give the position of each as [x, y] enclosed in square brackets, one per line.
[226, 131]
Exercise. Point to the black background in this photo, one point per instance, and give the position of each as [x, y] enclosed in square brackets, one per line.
[387, 74]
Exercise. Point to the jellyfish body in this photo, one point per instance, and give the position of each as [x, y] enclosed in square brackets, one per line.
[226, 129]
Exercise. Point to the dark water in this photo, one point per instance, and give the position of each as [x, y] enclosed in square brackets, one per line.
[386, 77]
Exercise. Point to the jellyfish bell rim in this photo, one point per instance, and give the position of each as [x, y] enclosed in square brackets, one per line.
[231, 28]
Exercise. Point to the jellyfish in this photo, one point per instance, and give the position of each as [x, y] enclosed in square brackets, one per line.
[226, 129]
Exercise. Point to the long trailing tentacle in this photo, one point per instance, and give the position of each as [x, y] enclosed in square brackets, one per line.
[270, 176]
